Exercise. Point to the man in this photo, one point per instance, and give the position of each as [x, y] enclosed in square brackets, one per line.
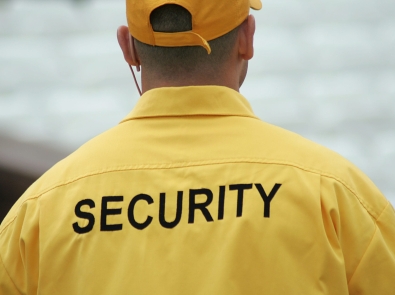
[191, 193]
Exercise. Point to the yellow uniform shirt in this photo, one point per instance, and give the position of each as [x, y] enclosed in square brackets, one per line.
[193, 194]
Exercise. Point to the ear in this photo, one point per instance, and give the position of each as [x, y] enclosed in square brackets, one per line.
[246, 38]
[126, 42]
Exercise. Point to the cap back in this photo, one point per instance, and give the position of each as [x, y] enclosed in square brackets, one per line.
[210, 20]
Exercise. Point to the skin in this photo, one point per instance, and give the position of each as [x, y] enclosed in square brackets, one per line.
[231, 75]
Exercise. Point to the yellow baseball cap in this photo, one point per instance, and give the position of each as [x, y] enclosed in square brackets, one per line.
[210, 19]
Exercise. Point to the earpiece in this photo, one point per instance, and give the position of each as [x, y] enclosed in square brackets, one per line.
[132, 52]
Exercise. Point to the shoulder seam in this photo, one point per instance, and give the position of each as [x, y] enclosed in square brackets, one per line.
[162, 166]
[365, 205]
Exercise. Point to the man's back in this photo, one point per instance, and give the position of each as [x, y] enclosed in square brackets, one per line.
[192, 194]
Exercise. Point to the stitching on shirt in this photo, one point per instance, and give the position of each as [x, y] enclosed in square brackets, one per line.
[370, 242]
[161, 166]
[8, 274]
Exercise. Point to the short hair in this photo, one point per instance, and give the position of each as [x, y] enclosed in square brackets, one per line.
[173, 18]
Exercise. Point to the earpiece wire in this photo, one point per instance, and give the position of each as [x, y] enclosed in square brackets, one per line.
[135, 80]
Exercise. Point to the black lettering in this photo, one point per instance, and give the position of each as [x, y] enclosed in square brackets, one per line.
[162, 206]
[267, 198]
[105, 212]
[132, 220]
[240, 195]
[202, 206]
[221, 202]
[85, 215]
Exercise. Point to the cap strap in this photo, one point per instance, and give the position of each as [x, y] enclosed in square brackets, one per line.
[181, 39]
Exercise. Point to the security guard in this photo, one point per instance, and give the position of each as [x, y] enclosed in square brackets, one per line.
[191, 193]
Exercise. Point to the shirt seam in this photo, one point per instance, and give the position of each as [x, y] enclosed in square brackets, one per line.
[367, 247]
[162, 166]
[8, 274]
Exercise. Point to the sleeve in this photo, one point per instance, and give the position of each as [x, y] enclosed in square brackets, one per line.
[19, 250]
[7, 286]
[375, 273]
[360, 223]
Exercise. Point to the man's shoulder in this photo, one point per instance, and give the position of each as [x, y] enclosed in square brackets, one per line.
[276, 144]
[290, 149]
[81, 163]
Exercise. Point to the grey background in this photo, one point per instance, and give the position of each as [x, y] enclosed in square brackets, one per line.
[324, 69]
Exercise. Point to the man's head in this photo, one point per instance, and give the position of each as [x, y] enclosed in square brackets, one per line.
[189, 42]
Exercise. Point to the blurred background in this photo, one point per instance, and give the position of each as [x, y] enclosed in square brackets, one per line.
[323, 69]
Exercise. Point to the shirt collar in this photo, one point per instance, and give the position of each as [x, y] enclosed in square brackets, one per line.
[191, 101]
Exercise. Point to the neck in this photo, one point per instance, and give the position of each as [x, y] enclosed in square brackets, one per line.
[228, 79]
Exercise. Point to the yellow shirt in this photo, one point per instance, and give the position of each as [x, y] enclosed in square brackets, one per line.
[193, 194]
